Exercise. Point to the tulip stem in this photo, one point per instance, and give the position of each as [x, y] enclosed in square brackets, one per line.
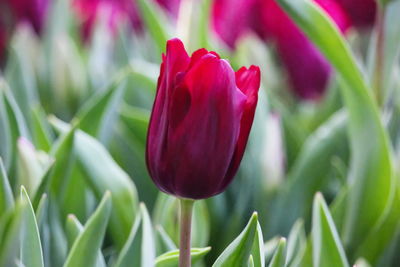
[186, 228]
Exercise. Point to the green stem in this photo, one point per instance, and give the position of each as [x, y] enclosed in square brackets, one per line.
[186, 228]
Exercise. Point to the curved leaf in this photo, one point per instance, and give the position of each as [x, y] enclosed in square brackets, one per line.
[370, 176]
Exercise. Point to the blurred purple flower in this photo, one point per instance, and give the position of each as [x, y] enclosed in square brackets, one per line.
[114, 11]
[362, 13]
[33, 12]
[172, 6]
[308, 70]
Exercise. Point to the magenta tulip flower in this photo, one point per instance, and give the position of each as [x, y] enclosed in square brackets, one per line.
[200, 123]
[308, 71]
[113, 10]
[33, 12]
[362, 13]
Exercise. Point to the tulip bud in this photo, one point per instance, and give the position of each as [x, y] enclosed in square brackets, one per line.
[200, 123]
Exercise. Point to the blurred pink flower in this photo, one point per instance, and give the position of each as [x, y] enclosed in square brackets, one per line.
[361, 12]
[172, 6]
[308, 71]
[114, 11]
[33, 12]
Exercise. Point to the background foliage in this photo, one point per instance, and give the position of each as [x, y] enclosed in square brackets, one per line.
[74, 187]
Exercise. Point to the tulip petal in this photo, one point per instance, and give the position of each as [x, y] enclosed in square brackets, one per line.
[204, 142]
[175, 61]
[248, 81]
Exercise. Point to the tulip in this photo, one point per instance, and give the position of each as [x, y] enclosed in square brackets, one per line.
[200, 123]
[199, 126]
[33, 12]
[172, 6]
[114, 11]
[362, 13]
[308, 70]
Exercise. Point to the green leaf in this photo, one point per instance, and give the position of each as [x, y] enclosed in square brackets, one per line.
[139, 250]
[238, 252]
[20, 70]
[296, 244]
[309, 172]
[171, 258]
[378, 240]
[6, 196]
[278, 260]
[370, 176]
[165, 243]
[96, 114]
[257, 252]
[84, 251]
[31, 249]
[41, 130]
[102, 173]
[41, 210]
[56, 178]
[327, 248]
[5, 131]
[73, 229]
[10, 228]
[155, 22]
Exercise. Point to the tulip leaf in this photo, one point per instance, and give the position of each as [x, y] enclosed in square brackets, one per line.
[139, 249]
[57, 176]
[95, 116]
[309, 172]
[73, 229]
[20, 71]
[165, 243]
[278, 260]
[5, 131]
[16, 125]
[41, 130]
[257, 252]
[102, 174]
[238, 252]
[6, 196]
[296, 244]
[41, 210]
[327, 248]
[171, 258]
[10, 229]
[380, 237]
[155, 22]
[370, 176]
[84, 251]
[31, 249]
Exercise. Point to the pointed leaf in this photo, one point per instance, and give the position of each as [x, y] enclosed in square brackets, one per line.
[85, 249]
[31, 248]
[370, 175]
[102, 174]
[6, 197]
[278, 260]
[327, 248]
[171, 258]
[238, 252]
